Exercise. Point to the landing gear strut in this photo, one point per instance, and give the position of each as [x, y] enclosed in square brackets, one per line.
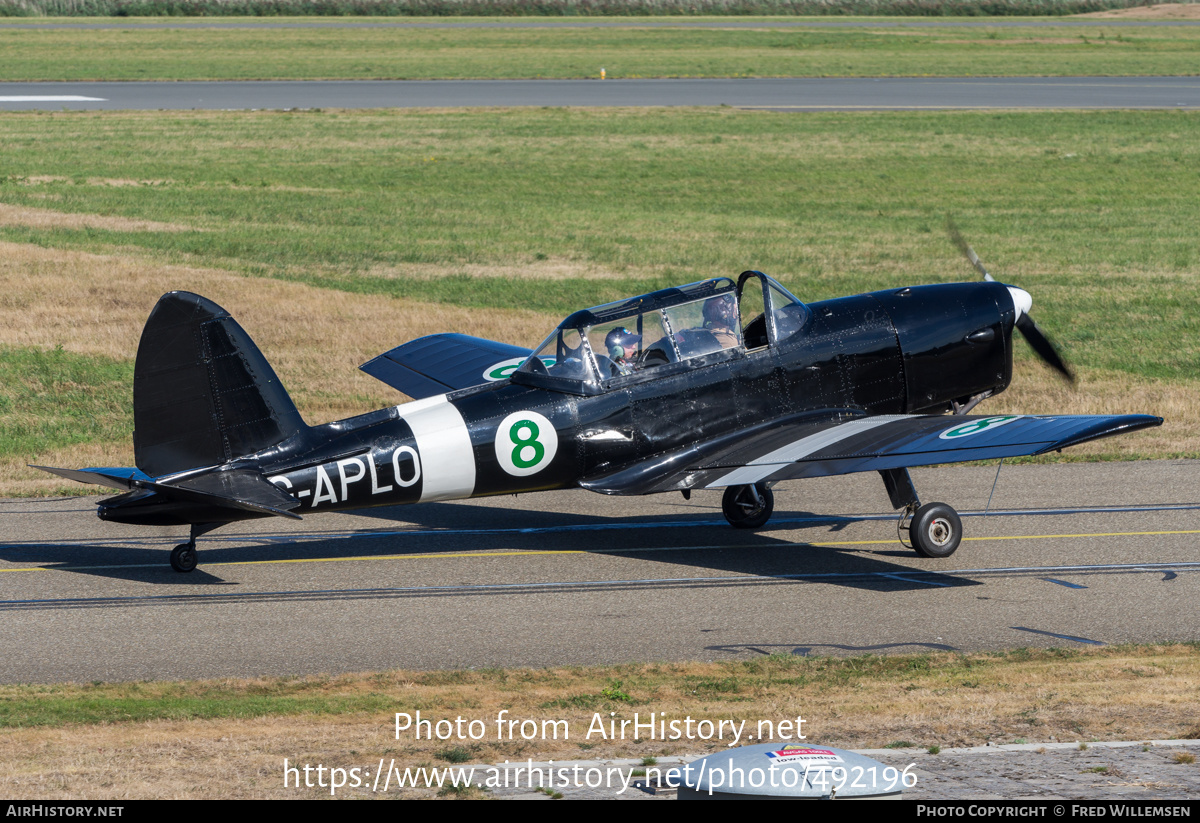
[183, 556]
[748, 507]
[932, 530]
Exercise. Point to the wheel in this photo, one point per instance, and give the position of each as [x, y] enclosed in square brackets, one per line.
[183, 558]
[748, 507]
[935, 530]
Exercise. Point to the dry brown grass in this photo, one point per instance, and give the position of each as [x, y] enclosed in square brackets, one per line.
[1159, 11]
[315, 339]
[1036, 389]
[96, 305]
[48, 219]
[1111, 694]
[18, 480]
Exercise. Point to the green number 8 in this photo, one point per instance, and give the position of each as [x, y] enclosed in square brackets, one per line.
[539, 451]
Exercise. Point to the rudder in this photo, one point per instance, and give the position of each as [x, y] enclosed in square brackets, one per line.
[203, 394]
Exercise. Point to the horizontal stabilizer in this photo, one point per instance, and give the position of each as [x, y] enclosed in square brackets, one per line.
[441, 363]
[112, 478]
[244, 489]
[850, 441]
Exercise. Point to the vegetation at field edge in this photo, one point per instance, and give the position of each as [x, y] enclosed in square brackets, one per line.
[511, 219]
[549, 8]
[424, 52]
[58, 739]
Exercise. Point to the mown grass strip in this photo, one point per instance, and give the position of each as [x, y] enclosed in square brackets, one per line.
[61, 398]
[214, 53]
[547, 8]
[756, 687]
[551, 210]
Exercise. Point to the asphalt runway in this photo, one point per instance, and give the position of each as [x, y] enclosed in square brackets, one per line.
[790, 94]
[1069, 555]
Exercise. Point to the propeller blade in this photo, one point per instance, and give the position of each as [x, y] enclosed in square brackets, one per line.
[1033, 335]
[1041, 344]
[966, 249]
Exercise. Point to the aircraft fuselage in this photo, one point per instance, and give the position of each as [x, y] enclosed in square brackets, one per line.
[903, 351]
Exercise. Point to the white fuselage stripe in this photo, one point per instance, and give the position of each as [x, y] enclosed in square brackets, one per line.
[762, 467]
[444, 444]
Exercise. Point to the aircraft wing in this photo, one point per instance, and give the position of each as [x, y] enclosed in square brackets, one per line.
[441, 363]
[846, 441]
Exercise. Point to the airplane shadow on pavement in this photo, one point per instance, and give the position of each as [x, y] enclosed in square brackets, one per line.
[693, 540]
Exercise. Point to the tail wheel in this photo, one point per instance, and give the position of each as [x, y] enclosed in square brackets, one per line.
[748, 507]
[936, 530]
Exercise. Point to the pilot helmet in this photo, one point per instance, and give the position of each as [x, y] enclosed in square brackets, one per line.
[620, 337]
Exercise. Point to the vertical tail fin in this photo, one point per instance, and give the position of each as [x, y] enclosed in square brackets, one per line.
[203, 394]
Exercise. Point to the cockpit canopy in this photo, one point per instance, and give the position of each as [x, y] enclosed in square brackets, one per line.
[662, 332]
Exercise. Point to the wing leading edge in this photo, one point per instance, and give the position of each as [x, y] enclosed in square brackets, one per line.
[847, 441]
[441, 363]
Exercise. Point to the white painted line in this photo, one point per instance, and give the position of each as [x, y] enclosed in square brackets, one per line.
[51, 98]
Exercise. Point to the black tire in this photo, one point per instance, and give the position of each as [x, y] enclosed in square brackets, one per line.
[936, 530]
[743, 510]
[183, 558]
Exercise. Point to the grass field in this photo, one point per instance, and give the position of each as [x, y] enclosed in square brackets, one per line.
[335, 235]
[228, 738]
[441, 9]
[501, 222]
[135, 52]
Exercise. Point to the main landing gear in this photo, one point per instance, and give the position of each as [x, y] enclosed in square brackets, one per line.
[932, 530]
[183, 556]
[748, 507]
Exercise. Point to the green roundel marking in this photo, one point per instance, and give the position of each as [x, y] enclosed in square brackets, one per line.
[524, 435]
[504, 369]
[977, 426]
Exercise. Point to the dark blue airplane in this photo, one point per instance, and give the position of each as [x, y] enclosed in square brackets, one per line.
[720, 384]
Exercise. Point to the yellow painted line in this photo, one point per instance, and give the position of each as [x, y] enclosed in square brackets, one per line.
[432, 556]
[1016, 537]
[540, 553]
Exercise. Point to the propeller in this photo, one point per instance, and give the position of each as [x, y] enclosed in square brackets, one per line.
[1022, 302]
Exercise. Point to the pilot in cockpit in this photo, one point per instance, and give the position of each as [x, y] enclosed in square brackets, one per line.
[622, 348]
[720, 318]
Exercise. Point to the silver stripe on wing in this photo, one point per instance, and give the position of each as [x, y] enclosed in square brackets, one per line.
[762, 467]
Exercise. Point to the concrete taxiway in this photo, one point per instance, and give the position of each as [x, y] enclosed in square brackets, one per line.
[782, 93]
[1067, 555]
